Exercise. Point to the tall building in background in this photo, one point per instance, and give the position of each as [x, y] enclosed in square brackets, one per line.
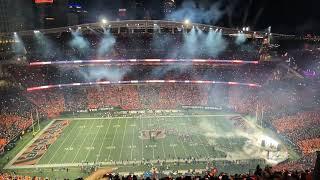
[16, 15]
[122, 14]
[168, 7]
[77, 13]
[51, 13]
[140, 10]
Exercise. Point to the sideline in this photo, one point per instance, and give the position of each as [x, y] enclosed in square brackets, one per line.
[144, 117]
[10, 164]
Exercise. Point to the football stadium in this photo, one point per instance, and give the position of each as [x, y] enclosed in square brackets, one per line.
[153, 99]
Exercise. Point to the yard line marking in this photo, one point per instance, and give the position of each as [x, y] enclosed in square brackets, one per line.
[164, 153]
[93, 142]
[125, 129]
[142, 138]
[78, 132]
[61, 144]
[183, 147]
[82, 143]
[149, 127]
[113, 140]
[194, 149]
[104, 138]
[174, 150]
[132, 141]
[171, 145]
[201, 141]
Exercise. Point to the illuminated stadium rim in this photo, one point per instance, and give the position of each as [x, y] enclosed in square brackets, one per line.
[140, 82]
[205, 61]
[145, 25]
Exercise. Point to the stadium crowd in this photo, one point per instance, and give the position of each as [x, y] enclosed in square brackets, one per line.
[267, 173]
[11, 126]
[302, 129]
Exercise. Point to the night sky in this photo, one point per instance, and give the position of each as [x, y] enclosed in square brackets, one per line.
[285, 16]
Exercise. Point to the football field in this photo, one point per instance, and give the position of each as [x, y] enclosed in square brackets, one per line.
[72, 142]
[119, 139]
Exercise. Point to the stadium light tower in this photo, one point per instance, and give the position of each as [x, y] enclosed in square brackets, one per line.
[104, 21]
[187, 21]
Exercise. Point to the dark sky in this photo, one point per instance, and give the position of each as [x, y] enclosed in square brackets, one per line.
[285, 16]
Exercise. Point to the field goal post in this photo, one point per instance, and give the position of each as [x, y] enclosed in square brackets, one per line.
[36, 123]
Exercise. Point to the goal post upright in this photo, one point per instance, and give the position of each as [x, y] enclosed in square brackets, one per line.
[38, 120]
[32, 123]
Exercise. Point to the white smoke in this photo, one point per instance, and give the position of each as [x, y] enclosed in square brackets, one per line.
[189, 10]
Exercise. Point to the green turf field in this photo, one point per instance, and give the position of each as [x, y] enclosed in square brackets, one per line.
[105, 140]
[121, 140]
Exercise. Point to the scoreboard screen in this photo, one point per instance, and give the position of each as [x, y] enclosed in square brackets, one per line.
[43, 1]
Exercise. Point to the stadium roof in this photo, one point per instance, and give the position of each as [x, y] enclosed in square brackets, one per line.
[146, 25]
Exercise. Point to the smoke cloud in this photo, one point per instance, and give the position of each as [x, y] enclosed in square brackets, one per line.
[79, 42]
[189, 10]
[46, 47]
[18, 47]
[103, 73]
[106, 43]
[241, 38]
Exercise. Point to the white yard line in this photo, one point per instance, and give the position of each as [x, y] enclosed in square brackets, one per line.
[94, 139]
[149, 124]
[183, 147]
[114, 136]
[78, 132]
[124, 134]
[200, 140]
[174, 152]
[194, 149]
[104, 138]
[205, 149]
[54, 154]
[82, 143]
[133, 137]
[142, 138]
[162, 143]
[149, 127]
[171, 145]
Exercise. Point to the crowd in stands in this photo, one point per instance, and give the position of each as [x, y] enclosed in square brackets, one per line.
[267, 173]
[8, 176]
[131, 97]
[10, 128]
[51, 103]
[302, 129]
[297, 121]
